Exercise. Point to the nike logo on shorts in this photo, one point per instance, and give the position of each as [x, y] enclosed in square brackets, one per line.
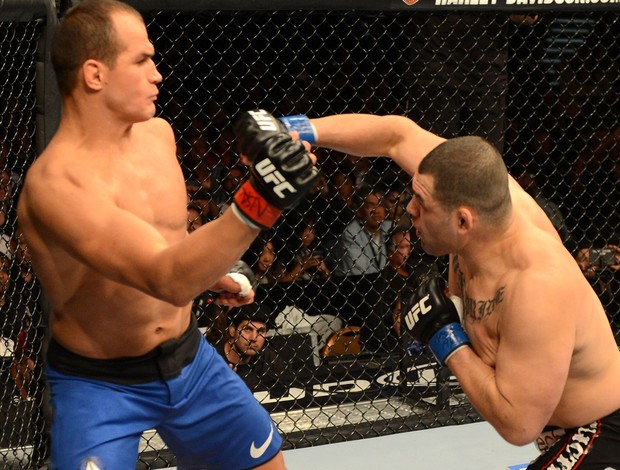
[91, 463]
[257, 452]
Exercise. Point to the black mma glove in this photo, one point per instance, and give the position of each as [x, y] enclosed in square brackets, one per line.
[432, 319]
[281, 174]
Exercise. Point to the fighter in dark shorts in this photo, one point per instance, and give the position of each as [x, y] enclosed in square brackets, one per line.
[592, 447]
[531, 346]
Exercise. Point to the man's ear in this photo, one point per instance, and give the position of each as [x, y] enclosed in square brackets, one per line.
[93, 74]
[464, 218]
[231, 331]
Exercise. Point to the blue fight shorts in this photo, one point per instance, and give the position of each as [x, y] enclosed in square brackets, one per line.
[203, 411]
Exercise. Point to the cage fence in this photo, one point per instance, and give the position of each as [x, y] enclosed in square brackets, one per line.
[546, 94]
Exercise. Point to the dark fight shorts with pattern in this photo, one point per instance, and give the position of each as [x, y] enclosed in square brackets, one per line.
[595, 446]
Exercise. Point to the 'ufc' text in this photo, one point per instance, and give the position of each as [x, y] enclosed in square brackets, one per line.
[420, 308]
[272, 176]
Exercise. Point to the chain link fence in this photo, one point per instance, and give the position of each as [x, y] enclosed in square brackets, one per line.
[21, 318]
[546, 93]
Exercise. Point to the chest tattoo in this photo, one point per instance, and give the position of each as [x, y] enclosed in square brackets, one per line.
[476, 309]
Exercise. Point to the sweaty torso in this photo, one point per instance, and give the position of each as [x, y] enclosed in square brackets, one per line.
[94, 315]
[489, 302]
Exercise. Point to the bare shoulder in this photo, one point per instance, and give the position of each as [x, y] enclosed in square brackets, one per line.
[549, 286]
[157, 128]
[56, 175]
[62, 161]
[529, 208]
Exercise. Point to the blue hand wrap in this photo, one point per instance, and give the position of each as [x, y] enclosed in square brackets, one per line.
[301, 124]
[416, 348]
[447, 340]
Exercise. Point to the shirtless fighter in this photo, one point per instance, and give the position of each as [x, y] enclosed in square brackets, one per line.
[535, 352]
[103, 210]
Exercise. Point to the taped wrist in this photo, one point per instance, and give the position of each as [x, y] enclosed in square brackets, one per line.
[447, 340]
[244, 283]
[253, 209]
[301, 124]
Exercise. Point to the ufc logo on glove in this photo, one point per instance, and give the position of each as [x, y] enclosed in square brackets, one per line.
[264, 120]
[413, 315]
[270, 175]
[282, 171]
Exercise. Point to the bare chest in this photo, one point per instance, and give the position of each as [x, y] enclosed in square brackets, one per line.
[483, 308]
[482, 314]
[152, 190]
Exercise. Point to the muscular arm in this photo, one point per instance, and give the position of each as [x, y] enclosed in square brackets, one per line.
[396, 137]
[520, 391]
[70, 209]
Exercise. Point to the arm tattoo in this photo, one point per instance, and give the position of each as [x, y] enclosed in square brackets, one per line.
[476, 310]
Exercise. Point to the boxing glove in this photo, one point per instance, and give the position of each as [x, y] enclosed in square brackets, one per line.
[432, 319]
[302, 125]
[282, 171]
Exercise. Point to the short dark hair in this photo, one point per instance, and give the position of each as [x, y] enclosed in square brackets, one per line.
[470, 171]
[250, 312]
[86, 32]
[363, 193]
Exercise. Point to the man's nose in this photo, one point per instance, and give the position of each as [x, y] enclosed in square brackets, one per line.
[411, 209]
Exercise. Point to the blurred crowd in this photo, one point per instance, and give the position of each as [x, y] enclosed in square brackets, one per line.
[562, 143]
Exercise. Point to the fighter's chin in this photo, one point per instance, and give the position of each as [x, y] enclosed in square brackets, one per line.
[142, 117]
[149, 112]
[431, 250]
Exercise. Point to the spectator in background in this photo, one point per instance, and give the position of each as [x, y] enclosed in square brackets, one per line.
[261, 257]
[15, 321]
[195, 217]
[400, 276]
[344, 187]
[246, 351]
[31, 322]
[24, 359]
[365, 176]
[203, 199]
[25, 283]
[230, 183]
[7, 318]
[268, 270]
[395, 202]
[397, 275]
[362, 247]
[305, 259]
[398, 250]
[325, 209]
[7, 211]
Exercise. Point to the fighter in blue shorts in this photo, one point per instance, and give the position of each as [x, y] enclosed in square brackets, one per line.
[170, 389]
[104, 212]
